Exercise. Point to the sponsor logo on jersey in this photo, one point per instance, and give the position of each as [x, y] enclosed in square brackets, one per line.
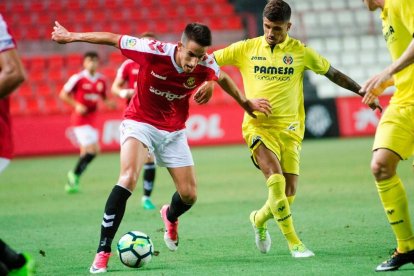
[91, 97]
[167, 94]
[273, 73]
[135, 71]
[288, 59]
[272, 70]
[158, 76]
[190, 83]
[257, 58]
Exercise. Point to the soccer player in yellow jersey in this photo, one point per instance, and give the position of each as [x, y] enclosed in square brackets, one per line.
[272, 66]
[394, 138]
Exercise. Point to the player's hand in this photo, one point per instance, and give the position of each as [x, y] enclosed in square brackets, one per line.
[261, 105]
[375, 86]
[60, 34]
[80, 109]
[126, 93]
[204, 93]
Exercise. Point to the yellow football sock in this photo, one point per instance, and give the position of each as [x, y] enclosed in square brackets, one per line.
[394, 201]
[280, 208]
[264, 214]
[291, 199]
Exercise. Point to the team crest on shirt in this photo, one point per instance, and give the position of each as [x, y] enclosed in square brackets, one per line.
[190, 83]
[99, 86]
[288, 59]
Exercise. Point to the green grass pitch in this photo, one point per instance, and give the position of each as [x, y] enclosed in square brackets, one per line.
[337, 214]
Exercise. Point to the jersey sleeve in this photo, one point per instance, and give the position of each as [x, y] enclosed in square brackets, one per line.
[122, 73]
[230, 55]
[6, 40]
[137, 49]
[315, 62]
[407, 15]
[69, 86]
[214, 72]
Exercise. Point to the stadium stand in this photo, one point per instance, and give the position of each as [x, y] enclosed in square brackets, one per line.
[341, 30]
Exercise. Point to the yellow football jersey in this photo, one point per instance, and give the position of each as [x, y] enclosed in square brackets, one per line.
[398, 30]
[275, 74]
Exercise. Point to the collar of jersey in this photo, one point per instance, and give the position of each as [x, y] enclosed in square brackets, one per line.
[384, 12]
[280, 45]
[89, 76]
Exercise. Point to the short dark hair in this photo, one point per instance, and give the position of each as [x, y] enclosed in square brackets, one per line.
[277, 10]
[91, 54]
[198, 33]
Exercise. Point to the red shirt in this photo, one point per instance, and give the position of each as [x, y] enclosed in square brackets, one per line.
[87, 90]
[128, 71]
[6, 138]
[163, 91]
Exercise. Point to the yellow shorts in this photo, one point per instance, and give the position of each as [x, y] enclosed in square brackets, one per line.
[396, 131]
[284, 145]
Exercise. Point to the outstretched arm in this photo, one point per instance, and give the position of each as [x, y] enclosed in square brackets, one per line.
[346, 82]
[377, 83]
[61, 35]
[261, 105]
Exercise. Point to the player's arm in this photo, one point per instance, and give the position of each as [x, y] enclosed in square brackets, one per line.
[346, 82]
[375, 85]
[118, 89]
[12, 73]
[228, 85]
[61, 35]
[204, 92]
[68, 99]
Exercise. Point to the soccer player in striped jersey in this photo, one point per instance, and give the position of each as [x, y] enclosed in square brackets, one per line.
[155, 120]
[82, 91]
[272, 66]
[12, 74]
[394, 138]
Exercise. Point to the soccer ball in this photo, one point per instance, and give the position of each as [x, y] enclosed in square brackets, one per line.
[135, 249]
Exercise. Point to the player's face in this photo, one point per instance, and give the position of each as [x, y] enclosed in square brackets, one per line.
[91, 64]
[189, 55]
[275, 31]
[372, 5]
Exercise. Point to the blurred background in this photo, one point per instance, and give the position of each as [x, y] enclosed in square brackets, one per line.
[343, 31]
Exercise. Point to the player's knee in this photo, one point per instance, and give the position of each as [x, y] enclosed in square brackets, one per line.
[128, 179]
[189, 196]
[380, 170]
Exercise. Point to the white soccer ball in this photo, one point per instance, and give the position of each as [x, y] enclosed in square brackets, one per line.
[135, 249]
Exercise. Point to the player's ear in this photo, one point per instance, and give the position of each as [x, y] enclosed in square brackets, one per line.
[289, 25]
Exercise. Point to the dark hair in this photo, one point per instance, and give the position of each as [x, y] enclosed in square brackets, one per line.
[91, 54]
[277, 10]
[198, 33]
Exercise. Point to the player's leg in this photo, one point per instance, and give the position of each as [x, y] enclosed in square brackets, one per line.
[133, 156]
[277, 200]
[182, 200]
[13, 263]
[394, 141]
[148, 183]
[87, 137]
[4, 162]
[394, 200]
